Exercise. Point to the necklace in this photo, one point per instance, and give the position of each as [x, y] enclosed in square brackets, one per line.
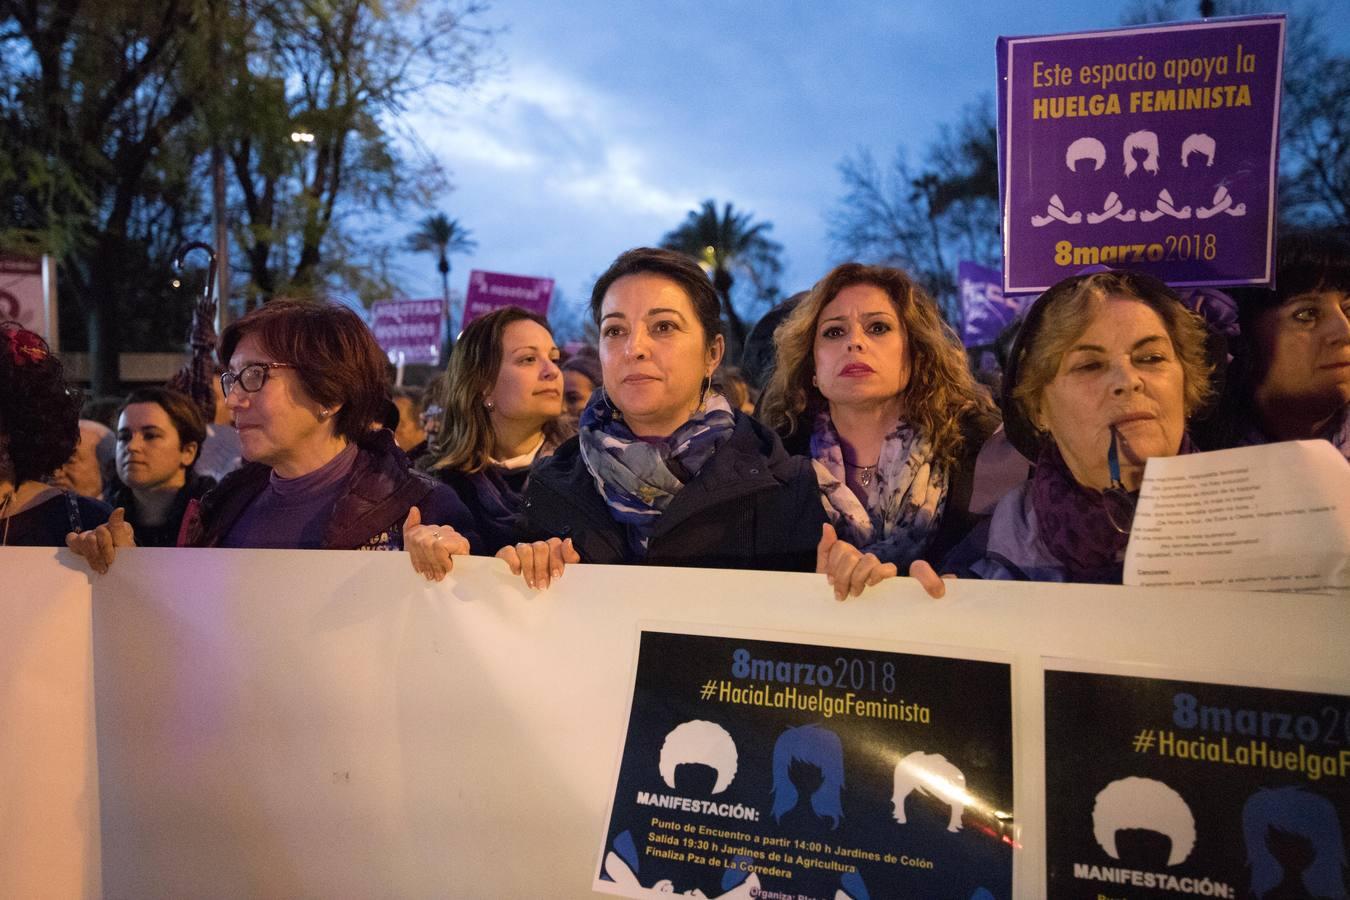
[865, 473]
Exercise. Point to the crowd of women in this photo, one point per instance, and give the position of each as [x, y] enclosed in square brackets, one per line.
[871, 451]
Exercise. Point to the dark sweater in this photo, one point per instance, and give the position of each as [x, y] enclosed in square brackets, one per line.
[368, 515]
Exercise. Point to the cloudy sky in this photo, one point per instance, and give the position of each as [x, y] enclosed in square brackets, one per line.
[609, 121]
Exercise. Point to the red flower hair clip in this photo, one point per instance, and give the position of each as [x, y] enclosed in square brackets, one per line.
[24, 346]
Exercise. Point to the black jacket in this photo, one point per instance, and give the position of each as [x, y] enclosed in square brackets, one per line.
[165, 535]
[957, 518]
[752, 506]
[369, 515]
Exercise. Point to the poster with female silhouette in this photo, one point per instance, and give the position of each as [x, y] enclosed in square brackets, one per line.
[1152, 148]
[1160, 787]
[759, 768]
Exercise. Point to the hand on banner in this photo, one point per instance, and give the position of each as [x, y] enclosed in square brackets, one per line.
[541, 561]
[432, 548]
[99, 545]
[922, 572]
[845, 567]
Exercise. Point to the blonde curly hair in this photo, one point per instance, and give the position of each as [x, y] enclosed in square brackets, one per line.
[942, 394]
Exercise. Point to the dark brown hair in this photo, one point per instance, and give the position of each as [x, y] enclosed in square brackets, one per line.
[336, 357]
[465, 441]
[668, 264]
[185, 414]
[39, 412]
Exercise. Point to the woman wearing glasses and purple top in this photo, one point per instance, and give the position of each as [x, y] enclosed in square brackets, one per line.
[1104, 375]
[304, 382]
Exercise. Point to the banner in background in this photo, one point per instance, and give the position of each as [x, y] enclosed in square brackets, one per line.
[410, 327]
[28, 295]
[985, 311]
[1151, 148]
[493, 290]
[1188, 788]
[762, 768]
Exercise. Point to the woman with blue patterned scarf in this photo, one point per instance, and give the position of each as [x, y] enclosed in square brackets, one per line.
[663, 470]
[875, 389]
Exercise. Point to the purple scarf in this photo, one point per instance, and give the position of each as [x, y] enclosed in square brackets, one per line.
[1072, 521]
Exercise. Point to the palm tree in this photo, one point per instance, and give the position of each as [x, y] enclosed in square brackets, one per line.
[443, 236]
[727, 244]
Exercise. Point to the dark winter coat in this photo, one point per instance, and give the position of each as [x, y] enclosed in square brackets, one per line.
[165, 535]
[957, 518]
[751, 506]
[369, 515]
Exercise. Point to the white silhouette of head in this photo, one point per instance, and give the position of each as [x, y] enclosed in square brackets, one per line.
[1086, 148]
[1197, 143]
[1143, 803]
[1141, 140]
[931, 774]
[699, 741]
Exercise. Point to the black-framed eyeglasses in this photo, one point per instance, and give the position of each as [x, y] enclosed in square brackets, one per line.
[1119, 502]
[251, 377]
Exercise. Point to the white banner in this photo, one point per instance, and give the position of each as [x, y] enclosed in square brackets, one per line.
[276, 723]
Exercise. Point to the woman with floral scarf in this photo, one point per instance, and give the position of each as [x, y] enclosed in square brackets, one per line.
[875, 389]
[663, 470]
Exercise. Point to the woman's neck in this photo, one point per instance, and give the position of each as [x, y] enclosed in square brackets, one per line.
[1294, 418]
[512, 438]
[310, 458]
[153, 505]
[16, 498]
[862, 428]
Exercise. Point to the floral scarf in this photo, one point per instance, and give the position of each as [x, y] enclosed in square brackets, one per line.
[904, 499]
[638, 478]
[1073, 523]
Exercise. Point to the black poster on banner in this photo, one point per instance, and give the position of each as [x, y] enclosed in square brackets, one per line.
[1163, 788]
[763, 769]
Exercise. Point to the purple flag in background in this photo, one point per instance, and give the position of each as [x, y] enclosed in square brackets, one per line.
[410, 327]
[1151, 148]
[984, 308]
[493, 290]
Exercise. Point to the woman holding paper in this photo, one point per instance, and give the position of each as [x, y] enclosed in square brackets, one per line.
[503, 409]
[1290, 378]
[1104, 375]
[874, 388]
[304, 382]
[39, 428]
[663, 471]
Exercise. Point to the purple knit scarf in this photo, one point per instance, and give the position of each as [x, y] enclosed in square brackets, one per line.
[1072, 520]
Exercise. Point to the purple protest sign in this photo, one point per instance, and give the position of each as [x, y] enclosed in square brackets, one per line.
[985, 309]
[493, 290]
[1150, 148]
[410, 327]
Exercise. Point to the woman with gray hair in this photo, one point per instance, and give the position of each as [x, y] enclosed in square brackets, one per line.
[1105, 373]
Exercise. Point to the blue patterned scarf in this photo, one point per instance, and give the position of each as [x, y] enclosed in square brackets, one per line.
[904, 498]
[637, 478]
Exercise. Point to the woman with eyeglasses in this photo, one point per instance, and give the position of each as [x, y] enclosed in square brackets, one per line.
[159, 435]
[664, 471]
[304, 382]
[503, 409]
[1104, 374]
